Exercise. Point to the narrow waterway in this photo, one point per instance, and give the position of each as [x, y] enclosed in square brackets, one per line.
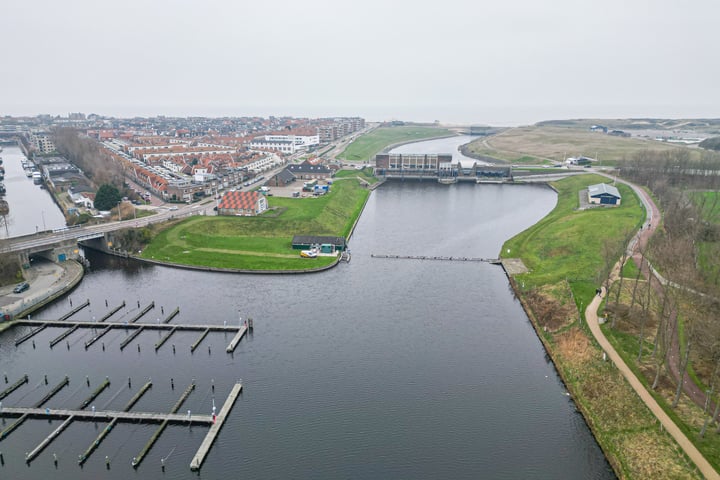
[32, 209]
[442, 145]
[379, 368]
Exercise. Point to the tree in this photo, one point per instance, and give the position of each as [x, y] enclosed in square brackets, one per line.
[107, 197]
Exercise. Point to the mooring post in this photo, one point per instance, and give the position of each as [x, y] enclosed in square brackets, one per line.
[162, 464]
[172, 384]
[46, 379]
[87, 380]
[107, 462]
[55, 459]
[129, 383]
[5, 374]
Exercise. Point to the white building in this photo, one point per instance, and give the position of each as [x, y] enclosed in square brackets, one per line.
[284, 143]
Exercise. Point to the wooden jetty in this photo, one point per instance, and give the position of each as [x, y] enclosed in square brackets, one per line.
[172, 315]
[164, 339]
[65, 381]
[107, 326]
[95, 393]
[113, 417]
[25, 413]
[207, 442]
[238, 336]
[63, 335]
[200, 339]
[142, 312]
[29, 335]
[99, 335]
[139, 458]
[37, 450]
[132, 336]
[112, 312]
[74, 311]
[495, 261]
[134, 417]
[23, 380]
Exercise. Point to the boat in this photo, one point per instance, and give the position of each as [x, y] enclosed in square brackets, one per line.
[37, 178]
[308, 253]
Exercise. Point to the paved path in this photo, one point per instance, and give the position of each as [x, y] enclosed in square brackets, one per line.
[653, 216]
[693, 453]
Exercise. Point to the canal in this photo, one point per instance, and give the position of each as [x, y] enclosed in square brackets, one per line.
[32, 209]
[379, 368]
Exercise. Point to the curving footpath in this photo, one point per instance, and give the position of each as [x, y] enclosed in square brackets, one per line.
[592, 319]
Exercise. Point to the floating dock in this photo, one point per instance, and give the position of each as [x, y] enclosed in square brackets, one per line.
[207, 442]
[172, 315]
[74, 311]
[107, 326]
[112, 312]
[136, 417]
[199, 340]
[142, 312]
[23, 380]
[495, 261]
[36, 451]
[238, 336]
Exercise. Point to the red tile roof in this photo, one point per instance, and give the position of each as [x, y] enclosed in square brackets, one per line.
[239, 200]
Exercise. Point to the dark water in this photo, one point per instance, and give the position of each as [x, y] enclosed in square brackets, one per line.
[31, 207]
[375, 369]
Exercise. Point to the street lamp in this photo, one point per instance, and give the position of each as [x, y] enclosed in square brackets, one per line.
[119, 213]
[42, 212]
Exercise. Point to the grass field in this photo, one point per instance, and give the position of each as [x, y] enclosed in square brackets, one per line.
[564, 254]
[708, 251]
[366, 146]
[263, 242]
[365, 174]
[553, 144]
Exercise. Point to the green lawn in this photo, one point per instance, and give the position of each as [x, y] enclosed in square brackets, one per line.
[568, 244]
[365, 174]
[263, 242]
[366, 146]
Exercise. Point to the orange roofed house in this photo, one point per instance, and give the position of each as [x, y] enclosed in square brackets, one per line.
[242, 203]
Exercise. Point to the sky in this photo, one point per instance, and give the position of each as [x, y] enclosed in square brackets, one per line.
[505, 62]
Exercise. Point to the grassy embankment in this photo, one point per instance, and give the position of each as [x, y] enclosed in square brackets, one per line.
[263, 242]
[364, 148]
[363, 174]
[564, 254]
[545, 144]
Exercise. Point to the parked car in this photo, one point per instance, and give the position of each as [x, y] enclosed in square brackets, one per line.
[21, 287]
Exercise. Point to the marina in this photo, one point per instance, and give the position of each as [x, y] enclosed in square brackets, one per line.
[324, 397]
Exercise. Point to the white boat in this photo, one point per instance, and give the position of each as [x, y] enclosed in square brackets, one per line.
[308, 253]
[37, 178]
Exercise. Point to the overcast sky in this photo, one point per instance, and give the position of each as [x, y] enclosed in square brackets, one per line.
[502, 62]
